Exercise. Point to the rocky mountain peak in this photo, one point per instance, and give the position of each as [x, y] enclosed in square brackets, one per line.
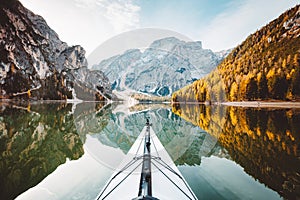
[165, 66]
[173, 44]
[166, 44]
[35, 63]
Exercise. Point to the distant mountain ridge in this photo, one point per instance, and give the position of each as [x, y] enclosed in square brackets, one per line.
[265, 66]
[36, 64]
[165, 66]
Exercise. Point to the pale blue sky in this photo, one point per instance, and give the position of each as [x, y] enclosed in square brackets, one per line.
[194, 12]
[219, 24]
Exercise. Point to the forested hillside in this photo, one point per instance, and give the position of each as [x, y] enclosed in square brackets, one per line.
[264, 67]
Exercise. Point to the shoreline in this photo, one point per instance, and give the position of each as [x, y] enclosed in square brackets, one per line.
[263, 104]
[254, 104]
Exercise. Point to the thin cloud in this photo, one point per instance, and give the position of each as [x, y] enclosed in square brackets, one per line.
[108, 18]
[87, 22]
[231, 27]
[122, 15]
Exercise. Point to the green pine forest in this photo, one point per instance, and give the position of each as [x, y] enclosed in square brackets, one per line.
[264, 67]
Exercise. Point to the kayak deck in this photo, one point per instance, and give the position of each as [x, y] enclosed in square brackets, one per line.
[166, 181]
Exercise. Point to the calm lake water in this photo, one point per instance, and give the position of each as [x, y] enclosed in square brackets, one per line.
[69, 151]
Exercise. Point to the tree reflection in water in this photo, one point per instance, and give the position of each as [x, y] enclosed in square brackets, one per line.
[264, 141]
[34, 140]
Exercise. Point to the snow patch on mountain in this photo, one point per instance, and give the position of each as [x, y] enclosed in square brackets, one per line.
[165, 66]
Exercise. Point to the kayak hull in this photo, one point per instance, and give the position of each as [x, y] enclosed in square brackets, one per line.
[166, 180]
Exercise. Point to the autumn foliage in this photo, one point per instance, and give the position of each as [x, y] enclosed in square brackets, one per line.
[265, 66]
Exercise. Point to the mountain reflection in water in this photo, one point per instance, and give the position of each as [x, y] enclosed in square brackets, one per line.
[68, 151]
[36, 138]
[185, 142]
[264, 141]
